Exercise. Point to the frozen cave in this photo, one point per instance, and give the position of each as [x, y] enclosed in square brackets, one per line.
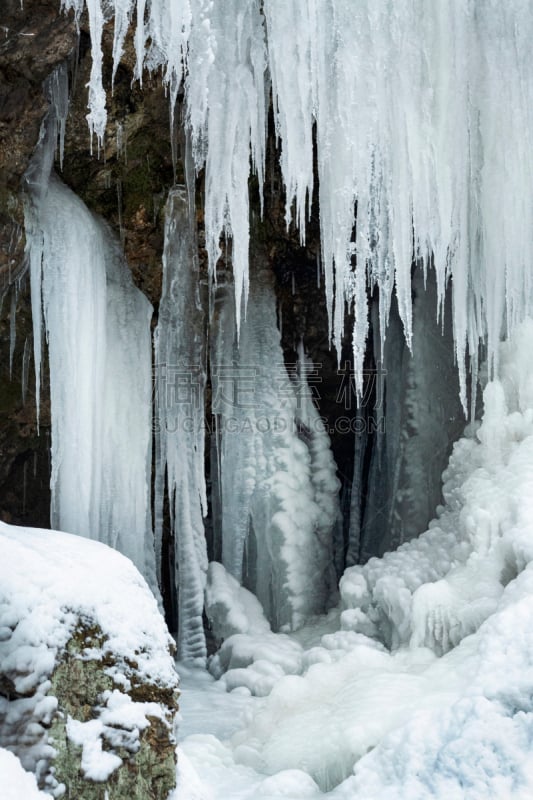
[266, 309]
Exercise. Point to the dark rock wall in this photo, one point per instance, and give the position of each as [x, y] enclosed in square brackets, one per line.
[34, 39]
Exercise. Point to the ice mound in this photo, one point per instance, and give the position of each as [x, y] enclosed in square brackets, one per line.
[231, 608]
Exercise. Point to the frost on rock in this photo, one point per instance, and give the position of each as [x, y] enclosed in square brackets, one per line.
[89, 690]
[180, 381]
[409, 110]
[276, 487]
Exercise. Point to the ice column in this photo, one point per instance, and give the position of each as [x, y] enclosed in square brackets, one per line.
[180, 382]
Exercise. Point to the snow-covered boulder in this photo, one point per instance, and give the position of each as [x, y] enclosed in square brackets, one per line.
[88, 689]
[17, 784]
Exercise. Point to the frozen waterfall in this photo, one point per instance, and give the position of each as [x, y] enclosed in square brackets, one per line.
[276, 484]
[423, 118]
[98, 333]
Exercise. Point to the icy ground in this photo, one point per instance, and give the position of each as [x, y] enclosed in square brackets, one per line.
[420, 685]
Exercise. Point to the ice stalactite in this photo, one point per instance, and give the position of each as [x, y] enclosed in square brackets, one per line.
[229, 55]
[180, 446]
[98, 332]
[277, 486]
[423, 117]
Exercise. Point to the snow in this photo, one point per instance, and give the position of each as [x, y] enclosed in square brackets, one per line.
[96, 764]
[49, 578]
[119, 723]
[16, 783]
[49, 583]
[410, 108]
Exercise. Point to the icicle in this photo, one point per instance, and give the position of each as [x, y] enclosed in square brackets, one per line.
[120, 139]
[34, 248]
[227, 40]
[123, 11]
[59, 98]
[24, 485]
[25, 368]
[119, 209]
[427, 186]
[36, 180]
[12, 328]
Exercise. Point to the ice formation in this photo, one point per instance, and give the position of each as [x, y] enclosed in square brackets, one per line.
[422, 118]
[276, 486]
[416, 119]
[97, 327]
[419, 684]
[229, 607]
[179, 409]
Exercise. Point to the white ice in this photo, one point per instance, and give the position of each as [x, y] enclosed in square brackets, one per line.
[419, 684]
[423, 118]
[276, 485]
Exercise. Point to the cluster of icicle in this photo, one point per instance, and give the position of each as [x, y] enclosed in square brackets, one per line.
[422, 114]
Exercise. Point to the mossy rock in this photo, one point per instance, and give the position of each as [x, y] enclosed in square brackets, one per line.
[82, 682]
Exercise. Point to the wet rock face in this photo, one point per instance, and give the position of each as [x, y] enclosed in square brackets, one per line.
[34, 38]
